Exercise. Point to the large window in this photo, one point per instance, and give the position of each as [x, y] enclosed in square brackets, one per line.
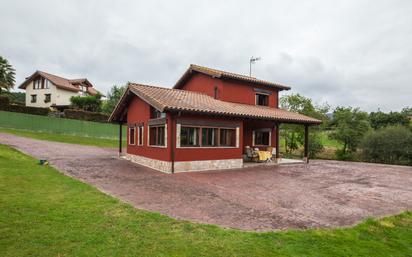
[262, 138]
[132, 135]
[157, 135]
[189, 136]
[262, 99]
[209, 136]
[227, 137]
[199, 136]
[140, 135]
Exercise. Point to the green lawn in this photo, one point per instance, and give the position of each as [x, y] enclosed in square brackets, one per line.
[44, 213]
[63, 138]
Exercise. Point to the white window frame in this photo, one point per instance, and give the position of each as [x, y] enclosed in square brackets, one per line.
[138, 135]
[165, 139]
[256, 96]
[262, 130]
[134, 128]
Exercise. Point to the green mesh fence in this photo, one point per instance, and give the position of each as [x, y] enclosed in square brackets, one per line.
[17, 120]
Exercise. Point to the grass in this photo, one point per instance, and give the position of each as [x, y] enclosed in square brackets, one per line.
[101, 142]
[44, 213]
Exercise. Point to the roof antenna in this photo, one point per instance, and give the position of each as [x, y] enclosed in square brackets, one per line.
[251, 61]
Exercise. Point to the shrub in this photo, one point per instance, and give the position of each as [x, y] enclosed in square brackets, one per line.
[344, 155]
[4, 100]
[315, 145]
[391, 145]
[87, 103]
[85, 115]
[25, 109]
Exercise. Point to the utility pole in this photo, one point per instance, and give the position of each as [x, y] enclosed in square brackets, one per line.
[251, 61]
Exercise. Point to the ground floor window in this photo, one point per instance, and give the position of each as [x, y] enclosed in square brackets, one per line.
[132, 135]
[33, 98]
[191, 136]
[47, 98]
[140, 135]
[157, 135]
[227, 137]
[262, 138]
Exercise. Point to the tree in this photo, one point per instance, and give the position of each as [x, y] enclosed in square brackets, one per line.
[87, 103]
[294, 134]
[113, 97]
[392, 145]
[7, 75]
[350, 125]
[380, 119]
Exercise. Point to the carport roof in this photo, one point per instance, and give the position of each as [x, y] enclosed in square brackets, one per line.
[177, 100]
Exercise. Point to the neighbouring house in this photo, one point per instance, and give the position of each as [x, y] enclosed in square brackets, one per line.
[48, 90]
[204, 122]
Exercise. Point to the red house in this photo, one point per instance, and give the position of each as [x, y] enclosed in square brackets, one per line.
[205, 122]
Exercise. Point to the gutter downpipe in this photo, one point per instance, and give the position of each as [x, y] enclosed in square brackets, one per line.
[173, 143]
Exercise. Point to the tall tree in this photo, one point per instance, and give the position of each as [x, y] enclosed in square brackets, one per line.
[350, 125]
[380, 119]
[113, 97]
[7, 74]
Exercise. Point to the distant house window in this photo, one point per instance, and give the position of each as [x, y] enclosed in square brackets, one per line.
[46, 84]
[154, 113]
[47, 98]
[227, 137]
[33, 98]
[36, 84]
[262, 99]
[210, 136]
[157, 135]
[189, 136]
[262, 138]
[132, 135]
[140, 135]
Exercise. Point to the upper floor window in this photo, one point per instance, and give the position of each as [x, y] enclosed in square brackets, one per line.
[40, 83]
[262, 99]
[154, 113]
[33, 98]
[47, 98]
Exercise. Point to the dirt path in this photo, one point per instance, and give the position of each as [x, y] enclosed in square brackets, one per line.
[321, 194]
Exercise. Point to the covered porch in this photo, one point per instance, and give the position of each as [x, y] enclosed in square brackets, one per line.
[261, 143]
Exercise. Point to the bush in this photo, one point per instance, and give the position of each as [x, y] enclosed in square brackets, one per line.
[4, 100]
[85, 115]
[24, 109]
[87, 103]
[344, 156]
[390, 145]
[315, 145]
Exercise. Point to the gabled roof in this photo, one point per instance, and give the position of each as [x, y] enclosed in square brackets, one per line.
[166, 99]
[225, 75]
[60, 82]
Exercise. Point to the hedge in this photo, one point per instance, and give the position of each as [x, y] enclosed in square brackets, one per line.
[22, 108]
[85, 115]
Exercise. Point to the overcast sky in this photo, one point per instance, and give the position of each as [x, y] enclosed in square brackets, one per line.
[356, 53]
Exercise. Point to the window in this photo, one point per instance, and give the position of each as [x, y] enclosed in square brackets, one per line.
[46, 84]
[157, 135]
[262, 99]
[33, 98]
[262, 138]
[154, 114]
[47, 98]
[189, 136]
[36, 84]
[209, 136]
[227, 137]
[140, 135]
[132, 135]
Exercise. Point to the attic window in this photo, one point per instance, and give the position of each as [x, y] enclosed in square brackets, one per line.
[154, 113]
[262, 99]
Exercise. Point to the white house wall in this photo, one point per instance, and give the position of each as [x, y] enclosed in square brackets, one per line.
[58, 96]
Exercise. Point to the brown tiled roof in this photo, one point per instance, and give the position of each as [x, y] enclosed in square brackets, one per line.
[224, 74]
[60, 82]
[166, 99]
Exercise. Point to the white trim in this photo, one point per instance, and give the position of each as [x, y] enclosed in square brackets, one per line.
[138, 135]
[132, 127]
[165, 136]
[262, 130]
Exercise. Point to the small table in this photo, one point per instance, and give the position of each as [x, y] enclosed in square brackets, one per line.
[264, 155]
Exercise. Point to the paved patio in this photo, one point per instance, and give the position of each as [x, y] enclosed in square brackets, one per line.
[319, 194]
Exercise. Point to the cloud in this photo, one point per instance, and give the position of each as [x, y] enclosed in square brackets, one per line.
[356, 53]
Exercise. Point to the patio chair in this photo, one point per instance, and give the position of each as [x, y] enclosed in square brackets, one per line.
[251, 154]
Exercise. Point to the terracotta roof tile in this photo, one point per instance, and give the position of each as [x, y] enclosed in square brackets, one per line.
[228, 75]
[166, 99]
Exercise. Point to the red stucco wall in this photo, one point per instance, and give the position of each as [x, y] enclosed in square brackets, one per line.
[248, 128]
[231, 91]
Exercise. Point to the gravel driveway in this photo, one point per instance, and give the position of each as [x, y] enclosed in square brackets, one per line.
[319, 194]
